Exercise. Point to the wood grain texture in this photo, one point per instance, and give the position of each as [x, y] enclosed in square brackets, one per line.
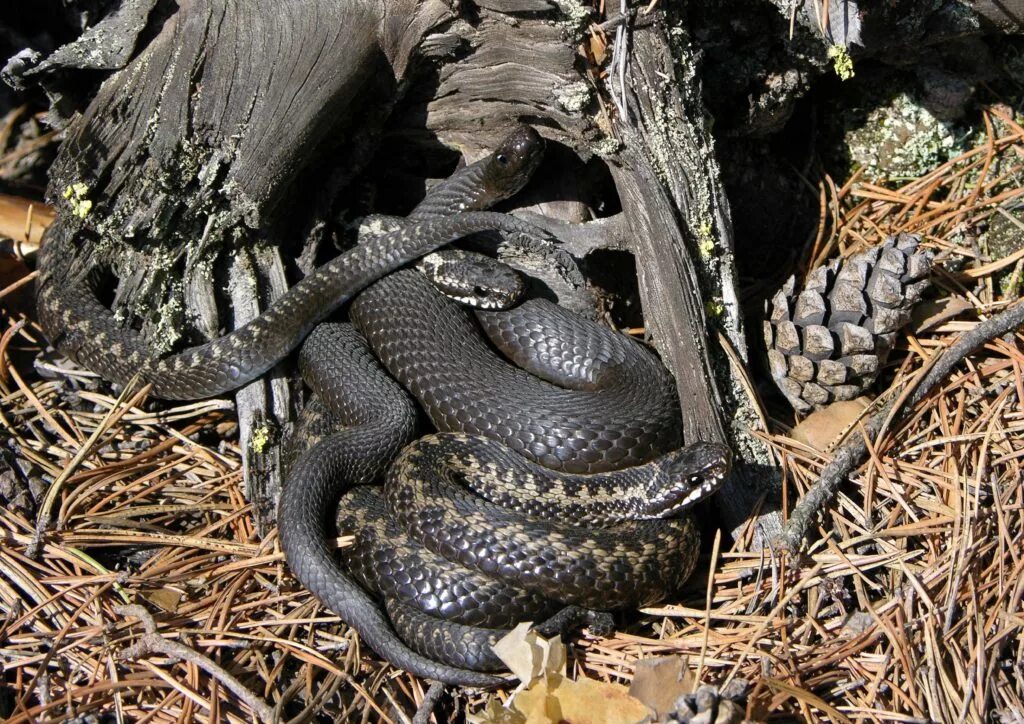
[192, 152]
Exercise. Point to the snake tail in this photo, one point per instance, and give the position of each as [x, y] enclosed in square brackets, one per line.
[379, 425]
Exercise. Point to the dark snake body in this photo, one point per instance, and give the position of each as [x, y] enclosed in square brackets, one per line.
[379, 413]
[620, 409]
[606, 402]
[564, 554]
[403, 546]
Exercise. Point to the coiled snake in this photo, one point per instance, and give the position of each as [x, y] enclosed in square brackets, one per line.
[617, 408]
[605, 403]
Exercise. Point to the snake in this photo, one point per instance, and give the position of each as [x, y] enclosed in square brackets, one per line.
[78, 324]
[596, 431]
[572, 401]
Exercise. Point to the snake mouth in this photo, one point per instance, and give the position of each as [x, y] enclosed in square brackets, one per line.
[705, 484]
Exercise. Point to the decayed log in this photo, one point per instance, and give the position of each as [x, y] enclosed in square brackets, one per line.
[190, 152]
[672, 190]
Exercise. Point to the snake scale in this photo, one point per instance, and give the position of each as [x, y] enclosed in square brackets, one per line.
[579, 399]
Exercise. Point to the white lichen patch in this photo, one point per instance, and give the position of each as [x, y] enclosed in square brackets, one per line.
[902, 140]
[576, 17]
[168, 326]
[573, 97]
[606, 147]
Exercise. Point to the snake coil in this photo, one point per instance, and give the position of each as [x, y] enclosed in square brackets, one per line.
[601, 402]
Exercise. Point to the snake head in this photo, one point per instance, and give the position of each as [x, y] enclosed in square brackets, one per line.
[685, 477]
[511, 164]
[473, 279]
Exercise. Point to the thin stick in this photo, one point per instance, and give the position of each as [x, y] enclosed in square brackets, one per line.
[154, 642]
[708, 600]
[430, 700]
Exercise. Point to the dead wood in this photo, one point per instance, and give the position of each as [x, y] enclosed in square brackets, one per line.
[191, 153]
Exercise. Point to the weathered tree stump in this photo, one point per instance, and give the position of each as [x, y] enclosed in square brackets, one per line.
[218, 153]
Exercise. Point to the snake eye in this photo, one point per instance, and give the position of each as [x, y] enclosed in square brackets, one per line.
[501, 159]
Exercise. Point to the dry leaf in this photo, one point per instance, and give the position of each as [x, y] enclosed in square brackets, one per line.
[658, 682]
[821, 428]
[528, 655]
[495, 713]
[928, 315]
[598, 48]
[584, 701]
[166, 599]
[858, 622]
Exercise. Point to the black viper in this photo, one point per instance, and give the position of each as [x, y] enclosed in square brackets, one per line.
[620, 410]
[80, 326]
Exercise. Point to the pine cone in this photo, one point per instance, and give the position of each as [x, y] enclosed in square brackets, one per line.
[829, 342]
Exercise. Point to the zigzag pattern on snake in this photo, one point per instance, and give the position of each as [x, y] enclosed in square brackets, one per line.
[83, 328]
[619, 409]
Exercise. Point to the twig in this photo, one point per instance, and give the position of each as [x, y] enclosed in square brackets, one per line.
[430, 700]
[618, 65]
[154, 642]
[852, 453]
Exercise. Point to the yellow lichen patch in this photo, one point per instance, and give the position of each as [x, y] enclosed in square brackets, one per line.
[259, 440]
[76, 195]
[842, 63]
[705, 240]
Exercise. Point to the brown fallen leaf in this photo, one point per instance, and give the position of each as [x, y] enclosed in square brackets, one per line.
[821, 428]
[659, 681]
[930, 314]
[530, 656]
[495, 713]
[583, 701]
[166, 599]
[598, 46]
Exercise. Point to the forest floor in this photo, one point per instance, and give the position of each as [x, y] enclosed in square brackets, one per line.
[907, 606]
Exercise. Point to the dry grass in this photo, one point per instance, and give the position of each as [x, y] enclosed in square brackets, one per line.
[907, 608]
